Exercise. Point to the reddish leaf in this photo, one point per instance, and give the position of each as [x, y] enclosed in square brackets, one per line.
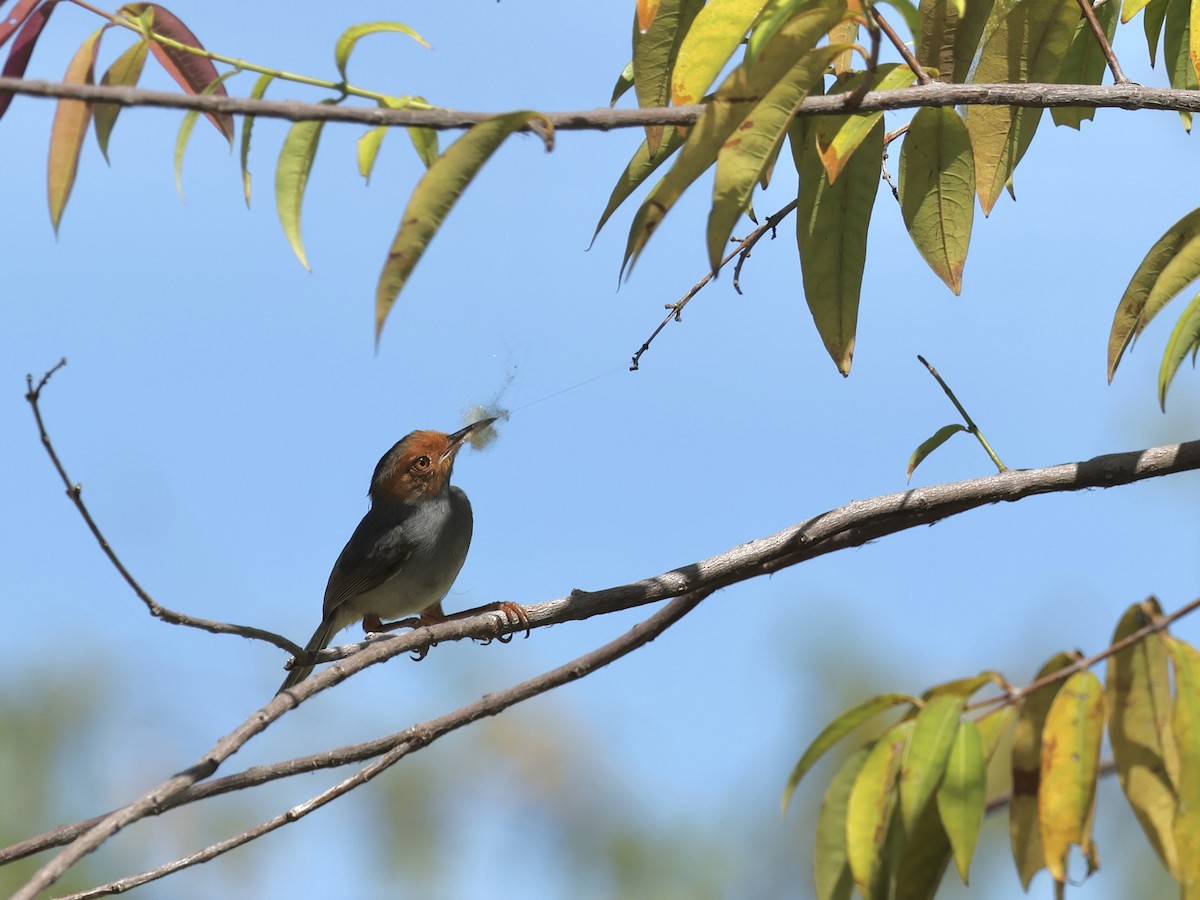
[18, 59]
[71, 119]
[16, 18]
[193, 73]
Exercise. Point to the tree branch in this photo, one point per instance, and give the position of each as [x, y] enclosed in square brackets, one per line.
[1113, 96]
[399, 746]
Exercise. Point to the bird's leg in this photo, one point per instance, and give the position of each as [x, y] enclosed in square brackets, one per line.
[514, 613]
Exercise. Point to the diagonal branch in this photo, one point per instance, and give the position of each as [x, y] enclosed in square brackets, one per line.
[401, 745]
[75, 492]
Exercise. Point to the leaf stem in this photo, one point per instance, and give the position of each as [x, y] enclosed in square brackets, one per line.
[972, 428]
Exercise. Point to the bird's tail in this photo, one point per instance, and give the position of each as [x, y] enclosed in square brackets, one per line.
[319, 641]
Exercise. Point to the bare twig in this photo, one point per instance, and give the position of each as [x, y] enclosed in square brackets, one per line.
[1034, 95]
[742, 251]
[1102, 39]
[420, 736]
[75, 492]
[901, 47]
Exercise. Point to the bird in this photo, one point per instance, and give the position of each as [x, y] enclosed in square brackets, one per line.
[406, 552]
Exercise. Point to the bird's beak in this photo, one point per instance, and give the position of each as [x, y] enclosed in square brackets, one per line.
[459, 437]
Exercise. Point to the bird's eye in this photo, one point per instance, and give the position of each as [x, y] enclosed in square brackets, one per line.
[422, 462]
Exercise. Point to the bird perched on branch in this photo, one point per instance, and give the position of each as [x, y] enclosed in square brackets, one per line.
[407, 550]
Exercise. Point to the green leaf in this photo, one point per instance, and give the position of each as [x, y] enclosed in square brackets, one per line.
[738, 95]
[368, 149]
[966, 687]
[911, 16]
[832, 222]
[624, 83]
[1152, 23]
[125, 71]
[1185, 338]
[831, 868]
[260, 88]
[434, 197]
[850, 131]
[742, 160]
[937, 191]
[960, 797]
[654, 52]
[71, 119]
[1085, 63]
[185, 131]
[930, 444]
[352, 35]
[1139, 729]
[1177, 41]
[1131, 9]
[1028, 45]
[872, 802]
[640, 168]
[1185, 722]
[928, 750]
[716, 32]
[992, 727]
[1071, 737]
[1027, 772]
[923, 853]
[1171, 265]
[835, 731]
[291, 177]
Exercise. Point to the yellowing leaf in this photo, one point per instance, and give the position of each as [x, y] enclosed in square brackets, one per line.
[1185, 722]
[433, 198]
[835, 151]
[1027, 45]
[623, 84]
[708, 45]
[185, 131]
[1085, 63]
[931, 443]
[1027, 772]
[71, 119]
[737, 96]
[835, 731]
[291, 177]
[1071, 740]
[743, 159]
[992, 726]
[1170, 266]
[655, 47]
[1139, 729]
[1177, 50]
[647, 10]
[353, 34]
[960, 797]
[640, 168]
[125, 71]
[937, 191]
[871, 804]
[831, 869]
[1185, 338]
[928, 749]
[256, 93]
[1131, 9]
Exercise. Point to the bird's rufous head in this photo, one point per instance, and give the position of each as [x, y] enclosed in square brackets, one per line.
[419, 465]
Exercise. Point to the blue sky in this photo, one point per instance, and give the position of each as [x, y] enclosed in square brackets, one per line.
[223, 409]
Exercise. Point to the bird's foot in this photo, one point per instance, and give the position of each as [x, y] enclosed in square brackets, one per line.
[372, 624]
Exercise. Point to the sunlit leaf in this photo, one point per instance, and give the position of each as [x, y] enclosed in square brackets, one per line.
[966, 687]
[1185, 722]
[1085, 63]
[911, 16]
[351, 36]
[1185, 338]
[931, 443]
[928, 750]
[960, 797]
[743, 159]
[835, 147]
[193, 73]
[1027, 770]
[291, 177]
[832, 221]
[1139, 729]
[640, 168]
[1177, 54]
[1170, 266]
[655, 48]
[771, 17]
[647, 11]
[16, 18]
[708, 45]
[1071, 738]
[1028, 45]
[185, 131]
[937, 191]
[992, 727]
[125, 71]
[18, 57]
[1152, 23]
[260, 88]
[71, 119]
[831, 868]
[738, 95]
[872, 802]
[1131, 8]
[624, 83]
[835, 731]
[434, 197]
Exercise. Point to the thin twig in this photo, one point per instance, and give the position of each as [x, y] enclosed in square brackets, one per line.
[742, 250]
[1089, 13]
[420, 736]
[75, 492]
[901, 47]
[972, 428]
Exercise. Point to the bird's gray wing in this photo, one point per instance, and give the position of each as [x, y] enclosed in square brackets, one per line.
[373, 555]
